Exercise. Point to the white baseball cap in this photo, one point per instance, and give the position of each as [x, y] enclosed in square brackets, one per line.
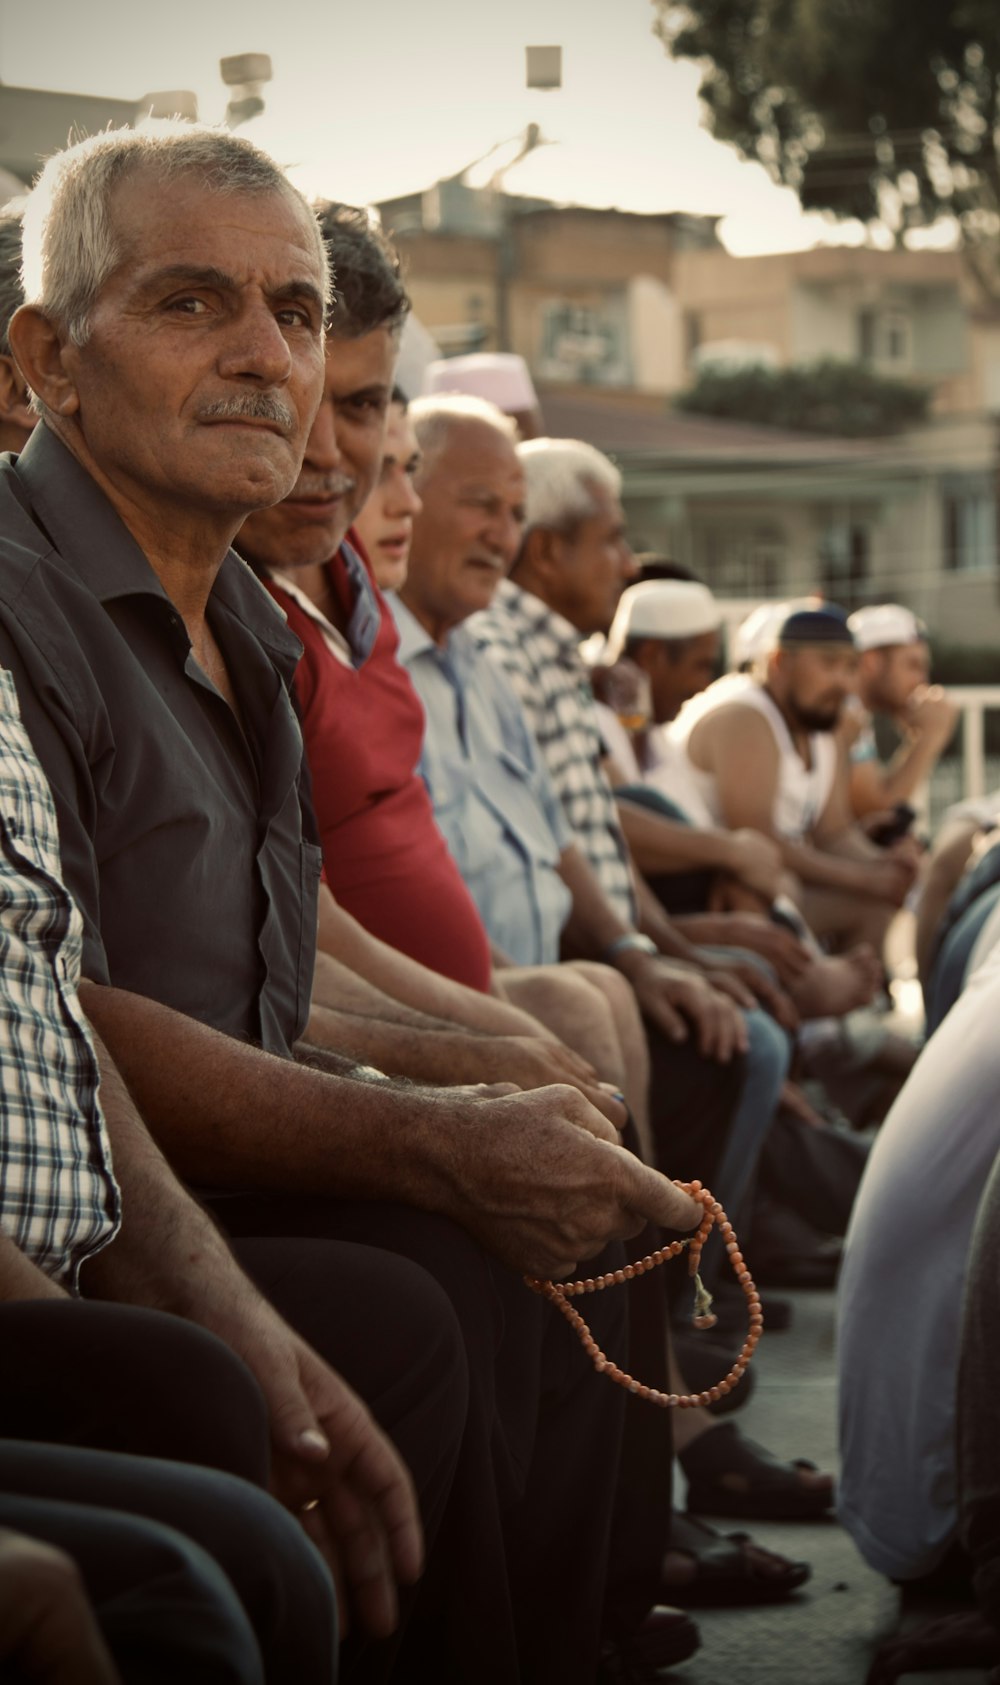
[757, 635]
[885, 624]
[662, 608]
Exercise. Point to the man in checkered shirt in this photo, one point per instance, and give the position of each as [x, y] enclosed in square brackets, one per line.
[539, 649]
[573, 563]
[58, 1197]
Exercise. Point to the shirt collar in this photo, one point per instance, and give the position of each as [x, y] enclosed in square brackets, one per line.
[414, 639]
[532, 611]
[86, 531]
[459, 652]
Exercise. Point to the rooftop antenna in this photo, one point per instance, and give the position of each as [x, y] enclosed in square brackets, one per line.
[245, 74]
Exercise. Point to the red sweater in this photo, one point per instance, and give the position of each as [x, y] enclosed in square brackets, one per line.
[386, 861]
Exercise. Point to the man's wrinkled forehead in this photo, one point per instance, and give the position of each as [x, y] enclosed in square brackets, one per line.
[145, 192]
[471, 449]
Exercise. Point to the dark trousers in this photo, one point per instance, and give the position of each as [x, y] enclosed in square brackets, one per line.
[692, 1103]
[192, 1573]
[116, 1378]
[514, 1586]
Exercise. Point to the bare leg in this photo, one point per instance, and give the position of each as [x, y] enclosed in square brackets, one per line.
[845, 919]
[620, 998]
[593, 1010]
[837, 983]
[949, 858]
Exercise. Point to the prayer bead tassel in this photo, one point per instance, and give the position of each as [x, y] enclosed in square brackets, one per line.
[561, 1294]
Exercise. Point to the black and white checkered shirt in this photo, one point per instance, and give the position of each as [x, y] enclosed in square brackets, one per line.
[58, 1197]
[540, 653]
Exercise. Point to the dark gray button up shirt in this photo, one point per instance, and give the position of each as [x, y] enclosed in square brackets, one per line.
[181, 831]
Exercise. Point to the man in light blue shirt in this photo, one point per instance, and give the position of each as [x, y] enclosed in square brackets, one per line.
[494, 801]
[492, 795]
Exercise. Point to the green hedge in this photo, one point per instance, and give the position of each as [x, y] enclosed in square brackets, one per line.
[830, 397]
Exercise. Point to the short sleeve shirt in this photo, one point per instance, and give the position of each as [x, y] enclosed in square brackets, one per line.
[385, 858]
[181, 827]
[491, 792]
[58, 1197]
[539, 651]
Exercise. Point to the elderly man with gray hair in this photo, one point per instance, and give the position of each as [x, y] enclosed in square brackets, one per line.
[172, 337]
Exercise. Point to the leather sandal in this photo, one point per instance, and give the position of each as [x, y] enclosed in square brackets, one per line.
[665, 1638]
[729, 1571]
[759, 1486]
[963, 1640]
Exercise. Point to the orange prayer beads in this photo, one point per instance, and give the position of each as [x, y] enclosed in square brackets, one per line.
[560, 1293]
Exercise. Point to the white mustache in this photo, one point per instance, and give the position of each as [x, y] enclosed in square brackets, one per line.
[250, 406]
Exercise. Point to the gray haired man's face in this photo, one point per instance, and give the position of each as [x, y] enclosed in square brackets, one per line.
[204, 366]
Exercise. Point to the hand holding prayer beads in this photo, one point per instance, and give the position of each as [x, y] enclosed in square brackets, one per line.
[562, 1292]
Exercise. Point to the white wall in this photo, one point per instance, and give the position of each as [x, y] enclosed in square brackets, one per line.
[655, 336]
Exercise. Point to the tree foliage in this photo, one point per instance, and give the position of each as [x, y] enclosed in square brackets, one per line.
[844, 399]
[885, 110]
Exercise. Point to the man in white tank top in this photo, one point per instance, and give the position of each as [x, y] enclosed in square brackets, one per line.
[757, 749]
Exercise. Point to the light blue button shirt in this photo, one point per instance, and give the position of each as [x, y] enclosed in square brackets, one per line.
[492, 795]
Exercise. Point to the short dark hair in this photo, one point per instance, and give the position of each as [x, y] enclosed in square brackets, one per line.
[399, 397]
[368, 290]
[11, 289]
[676, 648]
[652, 565]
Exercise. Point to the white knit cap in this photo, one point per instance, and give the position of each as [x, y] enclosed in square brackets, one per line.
[662, 608]
[500, 376]
[885, 624]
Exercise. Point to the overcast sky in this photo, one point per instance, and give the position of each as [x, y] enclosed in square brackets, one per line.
[385, 96]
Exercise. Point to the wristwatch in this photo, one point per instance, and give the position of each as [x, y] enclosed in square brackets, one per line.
[633, 942]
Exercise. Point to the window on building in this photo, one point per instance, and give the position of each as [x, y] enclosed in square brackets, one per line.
[844, 556]
[735, 561]
[969, 516]
[866, 336]
[885, 339]
[896, 347]
[692, 335]
[582, 342]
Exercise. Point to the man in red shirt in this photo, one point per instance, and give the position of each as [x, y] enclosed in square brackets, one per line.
[386, 862]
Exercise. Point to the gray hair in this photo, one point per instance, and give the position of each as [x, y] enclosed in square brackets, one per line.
[71, 245]
[435, 418]
[11, 294]
[561, 477]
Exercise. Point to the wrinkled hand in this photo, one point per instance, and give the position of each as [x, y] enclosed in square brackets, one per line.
[789, 957]
[889, 879]
[853, 720]
[750, 987]
[757, 862]
[326, 1445]
[801, 1107]
[930, 713]
[908, 851]
[540, 1180]
[674, 997]
[47, 1628]
[535, 1062]
[483, 1090]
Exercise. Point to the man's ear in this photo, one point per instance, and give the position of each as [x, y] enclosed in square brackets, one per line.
[647, 653]
[542, 551]
[14, 406]
[41, 355]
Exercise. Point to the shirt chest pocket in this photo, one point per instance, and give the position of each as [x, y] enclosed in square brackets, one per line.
[512, 790]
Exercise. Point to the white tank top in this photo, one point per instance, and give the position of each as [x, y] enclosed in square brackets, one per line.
[803, 791]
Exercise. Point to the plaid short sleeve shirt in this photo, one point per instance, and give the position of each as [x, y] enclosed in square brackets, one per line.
[539, 651]
[58, 1197]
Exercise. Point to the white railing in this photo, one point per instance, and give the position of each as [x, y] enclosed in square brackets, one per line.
[974, 700]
